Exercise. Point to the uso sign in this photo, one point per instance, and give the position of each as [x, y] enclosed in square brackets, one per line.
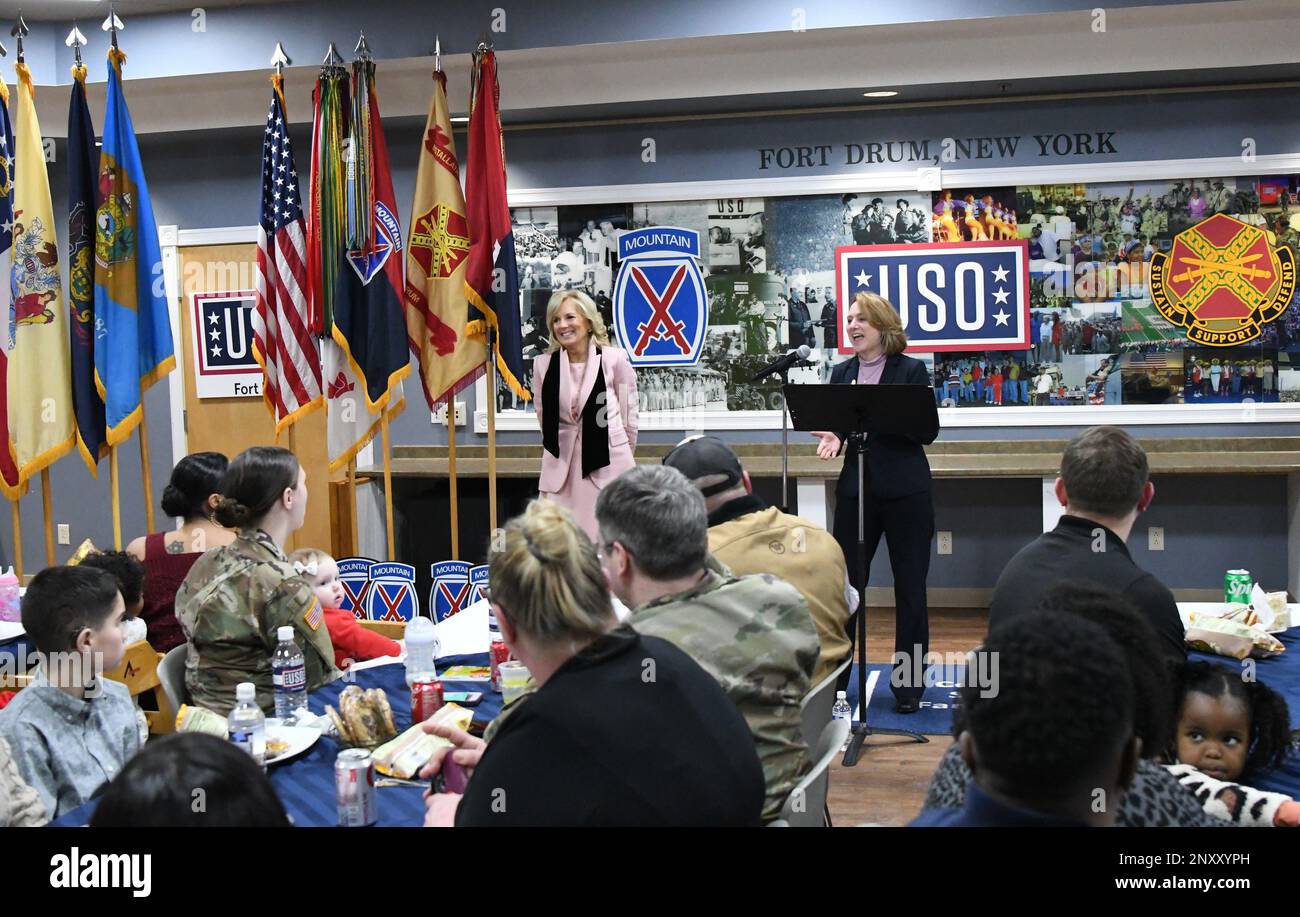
[950, 295]
[660, 307]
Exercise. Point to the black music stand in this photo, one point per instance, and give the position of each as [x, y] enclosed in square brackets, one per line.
[904, 410]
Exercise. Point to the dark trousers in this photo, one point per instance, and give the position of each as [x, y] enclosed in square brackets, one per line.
[908, 525]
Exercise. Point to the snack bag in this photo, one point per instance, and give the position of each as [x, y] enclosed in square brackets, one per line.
[1233, 639]
[405, 755]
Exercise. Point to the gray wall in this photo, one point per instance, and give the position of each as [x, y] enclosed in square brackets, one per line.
[1212, 524]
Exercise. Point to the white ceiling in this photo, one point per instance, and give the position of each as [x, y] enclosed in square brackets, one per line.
[925, 61]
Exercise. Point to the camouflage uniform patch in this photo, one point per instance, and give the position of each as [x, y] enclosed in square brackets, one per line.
[755, 636]
[231, 605]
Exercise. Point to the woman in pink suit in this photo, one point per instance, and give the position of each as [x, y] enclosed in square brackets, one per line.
[585, 393]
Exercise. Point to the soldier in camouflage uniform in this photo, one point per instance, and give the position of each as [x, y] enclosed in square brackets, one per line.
[236, 597]
[753, 634]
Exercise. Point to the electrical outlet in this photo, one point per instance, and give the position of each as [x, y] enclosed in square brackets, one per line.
[440, 416]
[944, 542]
[1155, 538]
[65, 536]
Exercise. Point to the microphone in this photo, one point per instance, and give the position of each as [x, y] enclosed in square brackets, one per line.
[784, 363]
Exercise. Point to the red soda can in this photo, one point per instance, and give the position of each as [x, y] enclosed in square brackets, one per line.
[426, 699]
[498, 653]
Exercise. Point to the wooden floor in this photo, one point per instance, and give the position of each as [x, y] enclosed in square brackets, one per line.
[887, 785]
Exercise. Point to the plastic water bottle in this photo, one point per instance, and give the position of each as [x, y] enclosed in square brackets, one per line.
[246, 725]
[422, 647]
[10, 606]
[289, 674]
[842, 711]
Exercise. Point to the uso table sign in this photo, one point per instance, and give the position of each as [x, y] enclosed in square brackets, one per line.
[221, 326]
[950, 295]
[660, 307]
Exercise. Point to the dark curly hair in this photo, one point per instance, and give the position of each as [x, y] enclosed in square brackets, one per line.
[1156, 711]
[1270, 719]
[1061, 707]
[128, 570]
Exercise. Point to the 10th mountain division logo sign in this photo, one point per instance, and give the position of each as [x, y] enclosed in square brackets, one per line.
[1222, 281]
[661, 310]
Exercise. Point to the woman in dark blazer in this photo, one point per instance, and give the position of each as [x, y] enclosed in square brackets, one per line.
[897, 502]
[585, 392]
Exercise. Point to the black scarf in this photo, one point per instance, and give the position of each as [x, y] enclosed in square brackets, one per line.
[595, 436]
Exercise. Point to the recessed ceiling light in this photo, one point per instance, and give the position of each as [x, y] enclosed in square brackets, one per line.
[881, 93]
[463, 119]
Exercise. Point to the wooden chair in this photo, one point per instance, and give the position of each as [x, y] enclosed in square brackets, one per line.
[139, 672]
[393, 630]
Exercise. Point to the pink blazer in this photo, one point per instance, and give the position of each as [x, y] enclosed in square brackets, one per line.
[620, 414]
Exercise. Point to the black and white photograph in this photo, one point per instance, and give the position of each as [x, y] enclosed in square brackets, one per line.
[537, 245]
[886, 217]
[736, 243]
[590, 233]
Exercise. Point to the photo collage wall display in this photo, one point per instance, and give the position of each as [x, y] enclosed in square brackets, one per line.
[768, 263]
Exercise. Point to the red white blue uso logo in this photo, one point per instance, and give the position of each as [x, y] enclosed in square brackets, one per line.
[949, 295]
[661, 310]
[391, 594]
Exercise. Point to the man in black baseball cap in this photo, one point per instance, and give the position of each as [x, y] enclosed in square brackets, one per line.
[750, 537]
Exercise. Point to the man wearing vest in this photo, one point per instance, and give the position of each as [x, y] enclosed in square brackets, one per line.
[748, 536]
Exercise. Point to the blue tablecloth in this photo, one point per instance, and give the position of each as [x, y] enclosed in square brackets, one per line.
[306, 784]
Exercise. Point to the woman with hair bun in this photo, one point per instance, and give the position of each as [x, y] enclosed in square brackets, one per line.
[237, 597]
[623, 729]
[191, 496]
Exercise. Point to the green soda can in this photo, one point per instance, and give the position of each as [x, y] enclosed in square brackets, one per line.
[1237, 585]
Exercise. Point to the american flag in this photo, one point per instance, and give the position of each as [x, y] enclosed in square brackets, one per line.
[1150, 361]
[284, 345]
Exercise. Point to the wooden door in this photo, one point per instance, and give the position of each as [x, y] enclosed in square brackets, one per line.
[230, 425]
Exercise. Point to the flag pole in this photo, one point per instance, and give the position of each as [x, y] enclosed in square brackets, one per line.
[451, 477]
[117, 504]
[49, 517]
[293, 447]
[144, 471]
[388, 488]
[352, 500]
[18, 538]
[492, 433]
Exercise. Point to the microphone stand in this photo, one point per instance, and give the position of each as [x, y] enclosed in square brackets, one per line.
[785, 444]
[858, 443]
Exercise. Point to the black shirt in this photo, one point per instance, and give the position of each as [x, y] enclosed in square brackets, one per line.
[630, 731]
[1066, 553]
